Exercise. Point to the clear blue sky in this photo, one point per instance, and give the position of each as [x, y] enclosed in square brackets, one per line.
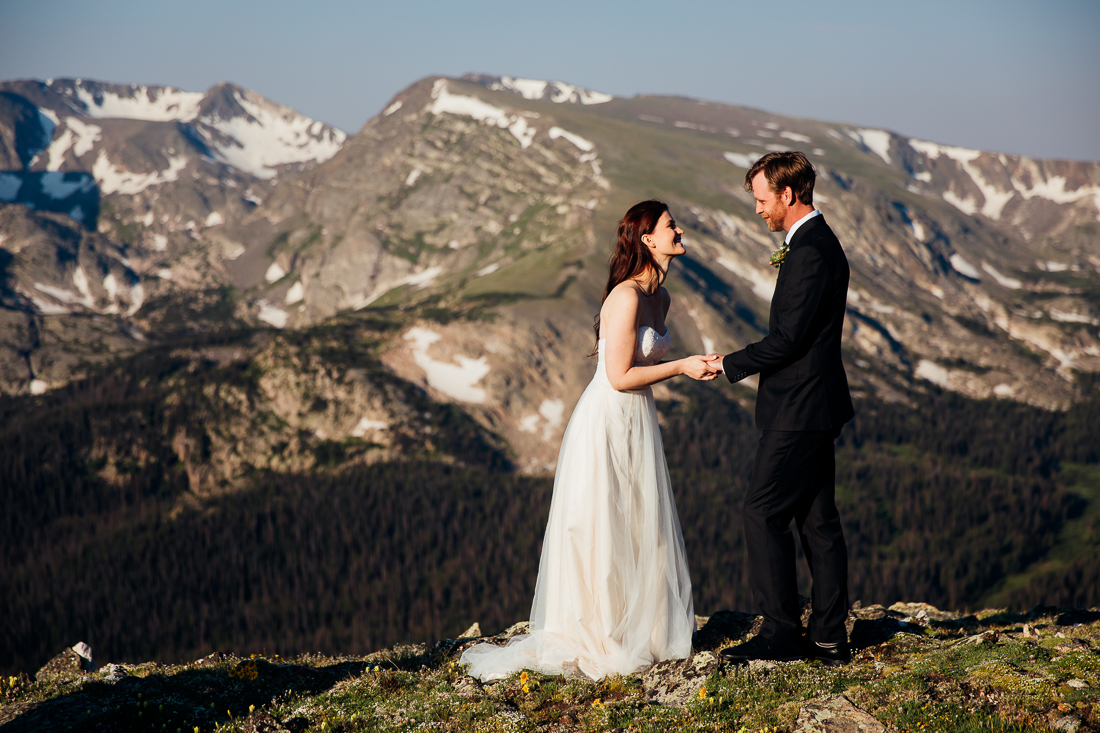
[1011, 76]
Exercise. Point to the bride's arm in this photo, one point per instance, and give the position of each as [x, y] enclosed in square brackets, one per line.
[619, 328]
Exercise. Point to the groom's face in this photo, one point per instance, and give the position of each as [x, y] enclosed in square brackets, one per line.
[769, 204]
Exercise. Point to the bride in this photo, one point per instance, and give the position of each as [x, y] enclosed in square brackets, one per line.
[613, 593]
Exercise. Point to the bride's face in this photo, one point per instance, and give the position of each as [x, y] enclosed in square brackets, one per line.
[665, 241]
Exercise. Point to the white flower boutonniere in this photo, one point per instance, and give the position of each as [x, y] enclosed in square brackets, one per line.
[778, 256]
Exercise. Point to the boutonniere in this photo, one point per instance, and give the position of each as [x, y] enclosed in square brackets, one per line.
[778, 256]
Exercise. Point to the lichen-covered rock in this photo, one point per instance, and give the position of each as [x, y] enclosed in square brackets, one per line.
[211, 659]
[986, 637]
[835, 714]
[66, 665]
[923, 612]
[1067, 723]
[469, 687]
[677, 681]
[113, 673]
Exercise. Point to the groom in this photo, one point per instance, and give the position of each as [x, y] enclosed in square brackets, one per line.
[801, 405]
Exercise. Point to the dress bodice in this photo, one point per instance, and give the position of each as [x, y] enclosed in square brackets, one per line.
[649, 348]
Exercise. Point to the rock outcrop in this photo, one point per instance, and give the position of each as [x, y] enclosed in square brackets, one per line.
[915, 667]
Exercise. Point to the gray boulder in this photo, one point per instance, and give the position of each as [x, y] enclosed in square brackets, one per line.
[835, 714]
[678, 681]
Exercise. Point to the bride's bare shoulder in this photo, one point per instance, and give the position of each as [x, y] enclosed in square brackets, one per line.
[625, 292]
[622, 301]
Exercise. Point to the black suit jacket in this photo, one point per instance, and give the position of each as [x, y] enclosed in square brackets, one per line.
[802, 381]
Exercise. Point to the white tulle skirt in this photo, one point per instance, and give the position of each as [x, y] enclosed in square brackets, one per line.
[613, 594]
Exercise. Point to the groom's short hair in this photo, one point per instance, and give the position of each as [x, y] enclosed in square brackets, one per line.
[785, 169]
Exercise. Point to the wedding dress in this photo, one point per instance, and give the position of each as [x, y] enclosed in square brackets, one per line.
[613, 593]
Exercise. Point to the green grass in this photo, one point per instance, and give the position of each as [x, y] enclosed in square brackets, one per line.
[928, 680]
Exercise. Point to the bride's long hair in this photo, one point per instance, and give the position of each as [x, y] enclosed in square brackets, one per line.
[631, 257]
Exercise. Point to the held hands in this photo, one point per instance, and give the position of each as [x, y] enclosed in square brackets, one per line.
[703, 368]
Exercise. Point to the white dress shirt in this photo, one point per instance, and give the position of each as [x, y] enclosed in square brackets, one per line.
[797, 224]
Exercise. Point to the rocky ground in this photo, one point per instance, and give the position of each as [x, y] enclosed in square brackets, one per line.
[914, 668]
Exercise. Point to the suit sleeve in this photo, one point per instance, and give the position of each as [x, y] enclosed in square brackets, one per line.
[796, 305]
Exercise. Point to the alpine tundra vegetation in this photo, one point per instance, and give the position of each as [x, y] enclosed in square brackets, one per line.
[915, 668]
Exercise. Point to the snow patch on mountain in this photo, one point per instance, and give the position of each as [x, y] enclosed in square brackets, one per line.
[421, 279]
[274, 273]
[365, 425]
[113, 179]
[110, 284]
[761, 284]
[963, 267]
[554, 91]
[45, 307]
[461, 105]
[995, 199]
[741, 160]
[457, 381]
[48, 119]
[1069, 317]
[550, 414]
[270, 136]
[580, 142]
[392, 108]
[47, 122]
[271, 315]
[296, 293]
[708, 342]
[1053, 188]
[877, 141]
[63, 295]
[798, 138]
[156, 104]
[1003, 280]
[137, 298]
[934, 373]
[78, 135]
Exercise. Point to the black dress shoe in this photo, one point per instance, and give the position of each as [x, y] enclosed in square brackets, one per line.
[764, 649]
[832, 656]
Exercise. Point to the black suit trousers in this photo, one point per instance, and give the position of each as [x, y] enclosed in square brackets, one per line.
[793, 478]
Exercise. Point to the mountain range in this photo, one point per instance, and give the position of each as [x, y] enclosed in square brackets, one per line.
[261, 380]
[140, 212]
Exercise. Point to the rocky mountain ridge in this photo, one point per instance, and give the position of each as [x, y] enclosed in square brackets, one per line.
[914, 667]
[978, 272]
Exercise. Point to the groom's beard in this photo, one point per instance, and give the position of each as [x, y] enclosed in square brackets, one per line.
[776, 215]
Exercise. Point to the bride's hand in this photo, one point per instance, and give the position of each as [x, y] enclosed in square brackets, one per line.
[700, 368]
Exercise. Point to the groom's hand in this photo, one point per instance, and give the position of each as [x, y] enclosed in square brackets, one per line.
[715, 360]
